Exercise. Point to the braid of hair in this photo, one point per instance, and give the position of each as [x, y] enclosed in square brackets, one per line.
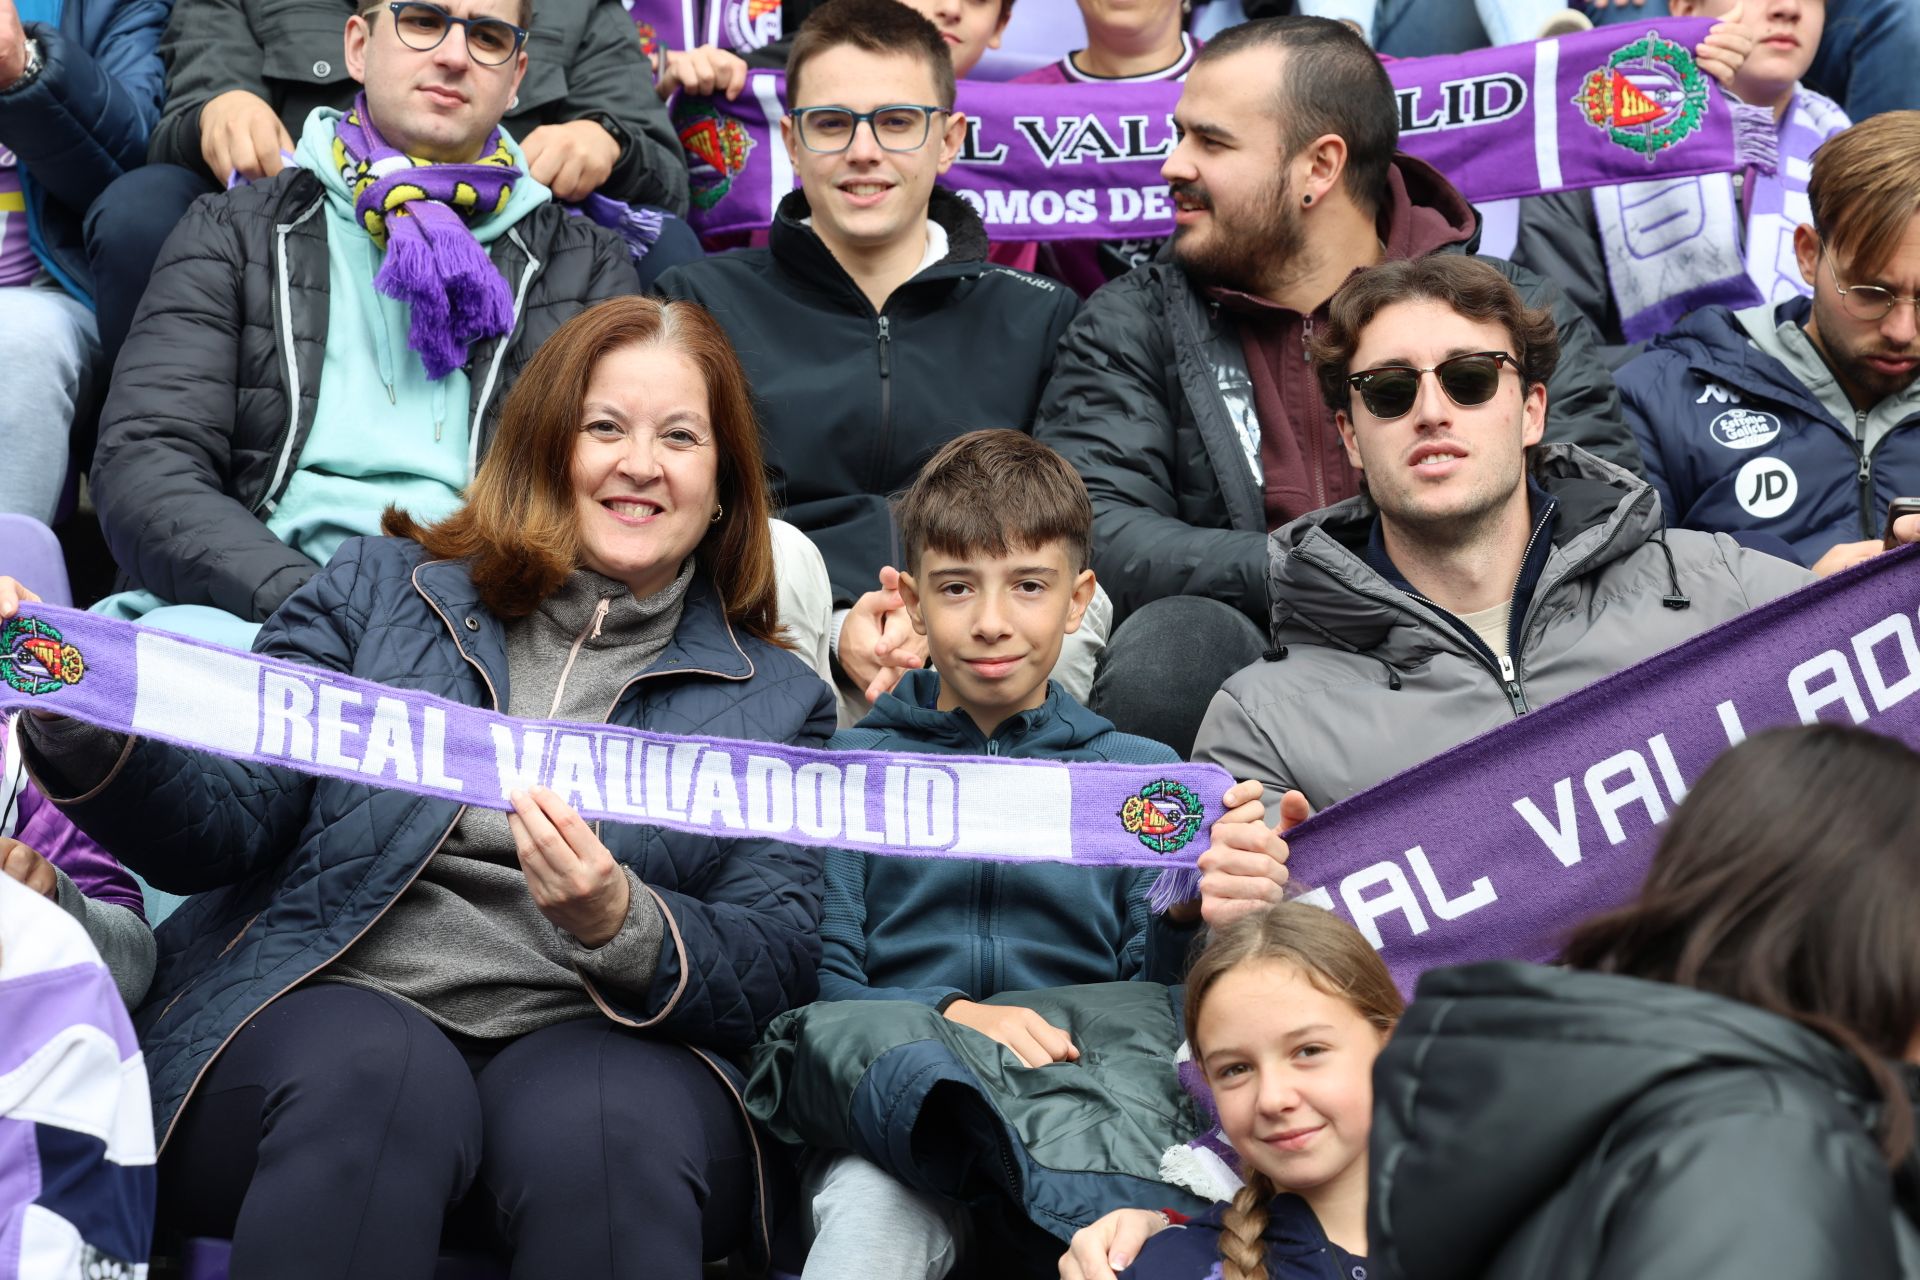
[1242, 1249]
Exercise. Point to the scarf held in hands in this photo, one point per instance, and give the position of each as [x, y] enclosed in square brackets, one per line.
[251, 707]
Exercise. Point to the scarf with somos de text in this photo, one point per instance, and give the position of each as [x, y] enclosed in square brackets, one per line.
[418, 212]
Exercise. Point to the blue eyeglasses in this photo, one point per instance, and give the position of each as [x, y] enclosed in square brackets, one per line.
[422, 26]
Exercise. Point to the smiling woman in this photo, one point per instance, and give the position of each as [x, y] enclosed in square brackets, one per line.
[420, 1002]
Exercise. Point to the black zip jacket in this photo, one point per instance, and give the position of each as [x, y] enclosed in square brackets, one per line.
[853, 401]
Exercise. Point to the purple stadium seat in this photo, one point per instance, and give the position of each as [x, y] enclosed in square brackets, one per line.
[31, 552]
[203, 1258]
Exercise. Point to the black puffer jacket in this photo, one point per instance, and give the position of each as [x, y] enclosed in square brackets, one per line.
[1533, 1122]
[583, 62]
[852, 401]
[1150, 392]
[216, 388]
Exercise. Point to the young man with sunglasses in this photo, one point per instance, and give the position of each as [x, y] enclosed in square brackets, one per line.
[323, 344]
[1480, 573]
[1798, 422]
[1182, 393]
[872, 326]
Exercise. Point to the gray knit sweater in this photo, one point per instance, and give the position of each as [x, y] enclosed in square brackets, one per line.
[464, 943]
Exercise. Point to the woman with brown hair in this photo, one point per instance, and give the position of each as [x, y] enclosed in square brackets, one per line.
[1714, 1088]
[378, 1006]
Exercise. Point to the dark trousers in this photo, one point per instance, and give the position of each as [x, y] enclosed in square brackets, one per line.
[340, 1129]
[1166, 661]
[125, 228]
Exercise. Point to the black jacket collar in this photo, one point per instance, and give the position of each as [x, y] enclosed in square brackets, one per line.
[796, 248]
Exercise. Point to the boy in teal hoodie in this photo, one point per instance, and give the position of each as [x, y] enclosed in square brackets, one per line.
[996, 532]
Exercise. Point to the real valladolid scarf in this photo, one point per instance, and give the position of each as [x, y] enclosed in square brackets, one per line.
[1490, 851]
[319, 722]
[1082, 161]
[419, 212]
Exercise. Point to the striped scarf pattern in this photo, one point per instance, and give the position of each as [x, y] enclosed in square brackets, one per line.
[419, 212]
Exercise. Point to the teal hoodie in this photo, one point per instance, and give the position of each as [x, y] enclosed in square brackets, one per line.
[382, 432]
[935, 930]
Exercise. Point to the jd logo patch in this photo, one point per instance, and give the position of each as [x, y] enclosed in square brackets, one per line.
[1766, 487]
[1649, 96]
[1744, 429]
[35, 659]
[1165, 815]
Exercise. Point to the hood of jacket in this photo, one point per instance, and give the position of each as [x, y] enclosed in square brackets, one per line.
[1057, 727]
[1323, 590]
[1425, 213]
[796, 247]
[1505, 1079]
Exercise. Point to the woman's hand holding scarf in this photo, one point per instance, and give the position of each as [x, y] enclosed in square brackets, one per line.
[574, 880]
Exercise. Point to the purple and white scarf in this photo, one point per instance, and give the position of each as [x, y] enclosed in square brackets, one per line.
[319, 722]
[1674, 246]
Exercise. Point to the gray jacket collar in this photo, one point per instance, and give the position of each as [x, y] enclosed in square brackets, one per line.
[1324, 592]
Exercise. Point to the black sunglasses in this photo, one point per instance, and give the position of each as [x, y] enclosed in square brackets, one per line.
[1470, 379]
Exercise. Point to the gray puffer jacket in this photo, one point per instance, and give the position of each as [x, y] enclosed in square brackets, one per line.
[1365, 680]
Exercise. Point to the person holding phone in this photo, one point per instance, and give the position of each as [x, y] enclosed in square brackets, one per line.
[1794, 426]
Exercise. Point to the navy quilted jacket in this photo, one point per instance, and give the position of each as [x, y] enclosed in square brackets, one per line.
[288, 870]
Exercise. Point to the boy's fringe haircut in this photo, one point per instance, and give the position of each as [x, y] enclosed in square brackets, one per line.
[992, 493]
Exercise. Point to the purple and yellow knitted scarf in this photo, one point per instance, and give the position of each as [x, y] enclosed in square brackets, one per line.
[418, 211]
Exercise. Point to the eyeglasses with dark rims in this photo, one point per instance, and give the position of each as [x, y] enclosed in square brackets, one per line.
[900, 127]
[422, 26]
[1470, 379]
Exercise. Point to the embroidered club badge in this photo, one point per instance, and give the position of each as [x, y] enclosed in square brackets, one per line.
[1165, 815]
[34, 659]
[1649, 96]
[717, 149]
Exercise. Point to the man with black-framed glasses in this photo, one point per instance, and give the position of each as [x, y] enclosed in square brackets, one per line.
[318, 346]
[1795, 424]
[873, 327]
[1481, 572]
[243, 76]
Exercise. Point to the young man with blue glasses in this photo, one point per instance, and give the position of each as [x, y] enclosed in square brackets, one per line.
[325, 343]
[872, 325]
[242, 76]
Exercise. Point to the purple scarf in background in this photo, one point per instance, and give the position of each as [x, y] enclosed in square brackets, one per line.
[419, 212]
[1082, 161]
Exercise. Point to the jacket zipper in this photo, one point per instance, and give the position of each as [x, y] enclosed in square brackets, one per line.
[1509, 671]
[1866, 476]
[1317, 466]
[590, 631]
[989, 883]
[271, 497]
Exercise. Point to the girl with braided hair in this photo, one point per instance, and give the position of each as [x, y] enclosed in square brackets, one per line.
[1286, 1011]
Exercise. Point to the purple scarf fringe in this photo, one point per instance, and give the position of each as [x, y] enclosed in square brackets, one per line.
[639, 227]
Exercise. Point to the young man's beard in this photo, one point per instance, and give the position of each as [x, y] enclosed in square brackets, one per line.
[1849, 362]
[1248, 251]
